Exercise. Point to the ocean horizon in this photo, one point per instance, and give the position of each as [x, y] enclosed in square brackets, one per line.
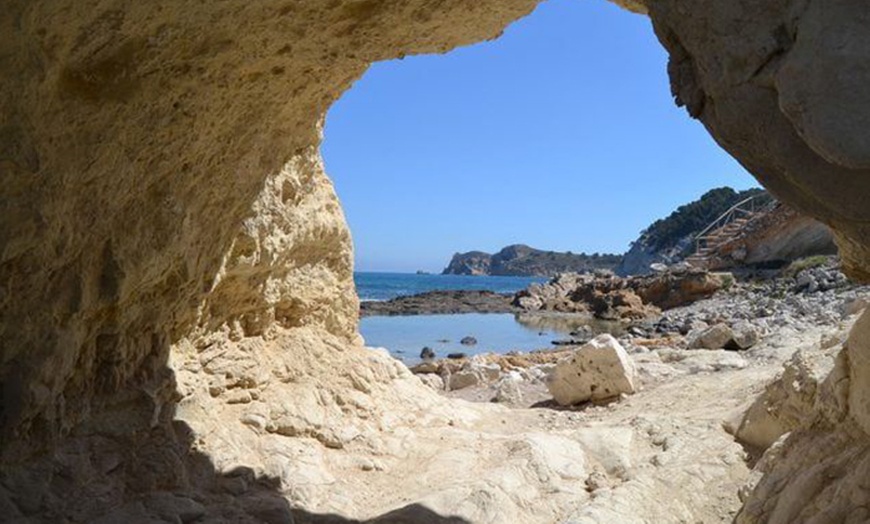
[374, 285]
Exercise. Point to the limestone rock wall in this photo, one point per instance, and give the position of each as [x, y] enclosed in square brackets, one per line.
[779, 89]
[777, 84]
[780, 236]
[160, 180]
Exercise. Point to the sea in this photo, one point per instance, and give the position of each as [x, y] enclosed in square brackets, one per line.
[384, 286]
[406, 336]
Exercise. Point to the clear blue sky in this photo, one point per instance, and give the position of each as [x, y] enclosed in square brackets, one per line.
[562, 135]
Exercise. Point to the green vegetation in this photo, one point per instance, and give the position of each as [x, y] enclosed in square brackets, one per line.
[695, 216]
[727, 280]
[805, 263]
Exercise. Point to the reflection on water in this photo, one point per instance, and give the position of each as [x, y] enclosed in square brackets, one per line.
[406, 336]
[567, 323]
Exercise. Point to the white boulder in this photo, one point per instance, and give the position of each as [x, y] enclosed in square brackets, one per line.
[507, 390]
[599, 370]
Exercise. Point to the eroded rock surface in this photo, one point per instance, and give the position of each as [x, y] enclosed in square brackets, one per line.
[598, 370]
[175, 272]
[610, 297]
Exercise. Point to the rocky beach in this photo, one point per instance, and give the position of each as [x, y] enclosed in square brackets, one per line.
[698, 392]
[716, 329]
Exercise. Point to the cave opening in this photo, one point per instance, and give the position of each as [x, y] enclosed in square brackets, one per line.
[567, 118]
[561, 134]
[179, 320]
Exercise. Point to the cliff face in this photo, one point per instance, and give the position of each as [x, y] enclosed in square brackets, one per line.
[520, 260]
[176, 303]
[778, 237]
[470, 263]
[173, 259]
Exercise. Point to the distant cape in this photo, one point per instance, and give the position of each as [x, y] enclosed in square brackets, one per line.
[522, 260]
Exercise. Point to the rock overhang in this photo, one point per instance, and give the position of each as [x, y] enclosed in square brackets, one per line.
[161, 184]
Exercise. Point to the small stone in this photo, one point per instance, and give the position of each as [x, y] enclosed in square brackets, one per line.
[597, 480]
[238, 396]
[255, 420]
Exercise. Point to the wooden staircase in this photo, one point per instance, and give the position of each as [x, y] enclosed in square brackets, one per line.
[729, 226]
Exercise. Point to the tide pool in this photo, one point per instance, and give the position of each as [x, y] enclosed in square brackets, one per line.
[406, 336]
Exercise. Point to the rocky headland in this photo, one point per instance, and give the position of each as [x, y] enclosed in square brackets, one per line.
[601, 295]
[521, 260]
[770, 234]
[671, 239]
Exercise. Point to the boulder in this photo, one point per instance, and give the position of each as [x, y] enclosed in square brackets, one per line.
[599, 370]
[464, 378]
[474, 372]
[745, 335]
[427, 367]
[694, 361]
[427, 353]
[741, 335]
[432, 380]
[507, 389]
[714, 337]
[680, 286]
[788, 401]
[468, 341]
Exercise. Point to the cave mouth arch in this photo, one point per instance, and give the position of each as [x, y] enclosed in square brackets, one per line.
[144, 136]
[430, 153]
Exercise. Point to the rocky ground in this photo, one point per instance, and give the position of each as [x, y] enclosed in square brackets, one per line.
[729, 330]
[689, 416]
[441, 303]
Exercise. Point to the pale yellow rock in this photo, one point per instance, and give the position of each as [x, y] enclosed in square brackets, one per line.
[858, 347]
[789, 401]
[176, 298]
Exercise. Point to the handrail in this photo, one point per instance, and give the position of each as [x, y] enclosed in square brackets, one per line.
[728, 216]
[724, 215]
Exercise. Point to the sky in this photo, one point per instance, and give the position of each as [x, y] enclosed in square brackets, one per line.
[562, 135]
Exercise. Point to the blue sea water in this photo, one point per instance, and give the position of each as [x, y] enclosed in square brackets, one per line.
[406, 336]
[384, 286]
